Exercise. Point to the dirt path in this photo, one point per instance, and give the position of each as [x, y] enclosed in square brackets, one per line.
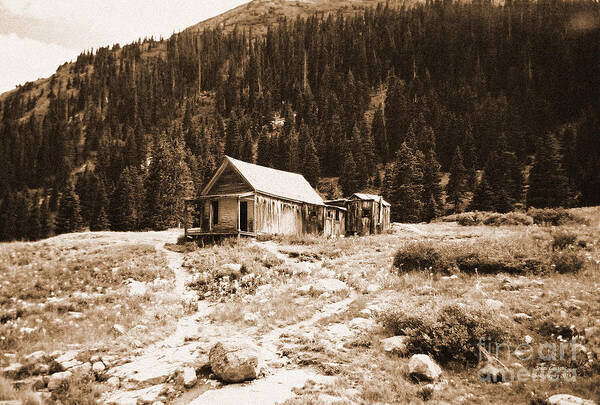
[195, 334]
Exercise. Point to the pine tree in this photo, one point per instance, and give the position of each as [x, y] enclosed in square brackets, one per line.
[123, 213]
[379, 136]
[432, 188]
[455, 188]
[311, 168]
[263, 150]
[68, 218]
[100, 220]
[46, 220]
[405, 186]
[548, 185]
[8, 218]
[483, 198]
[34, 224]
[22, 208]
[349, 178]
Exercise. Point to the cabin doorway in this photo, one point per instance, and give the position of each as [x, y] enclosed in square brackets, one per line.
[244, 216]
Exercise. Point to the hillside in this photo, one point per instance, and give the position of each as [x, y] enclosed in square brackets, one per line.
[332, 92]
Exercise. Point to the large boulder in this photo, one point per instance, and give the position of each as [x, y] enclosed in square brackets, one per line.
[422, 367]
[235, 361]
[566, 399]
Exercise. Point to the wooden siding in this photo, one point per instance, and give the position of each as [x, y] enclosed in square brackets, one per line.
[335, 225]
[275, 216]
[365, 218]
[229, 182]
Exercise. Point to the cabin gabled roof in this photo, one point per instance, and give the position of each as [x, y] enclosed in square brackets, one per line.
[273, 182]
[370, 197]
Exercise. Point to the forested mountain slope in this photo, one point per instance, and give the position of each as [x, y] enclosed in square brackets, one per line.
[471, 86]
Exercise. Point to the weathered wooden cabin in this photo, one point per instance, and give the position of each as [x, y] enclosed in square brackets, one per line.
[366, 214]
[244, 199]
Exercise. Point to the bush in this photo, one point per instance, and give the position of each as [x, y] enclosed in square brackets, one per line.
[418, 256]
[489, 218]
[554, 216]
[567, 262]
[563, 239]
[482, 259]
[452, 335]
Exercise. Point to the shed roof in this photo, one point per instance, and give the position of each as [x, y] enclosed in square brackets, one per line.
[370, 197]
[278, 183]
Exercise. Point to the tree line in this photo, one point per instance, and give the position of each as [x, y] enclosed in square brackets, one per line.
[505, 98]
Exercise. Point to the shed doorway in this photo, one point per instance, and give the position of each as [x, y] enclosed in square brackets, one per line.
[244, 216]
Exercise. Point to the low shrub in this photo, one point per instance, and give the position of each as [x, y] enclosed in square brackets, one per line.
[417, 256]
[554, 216]
[475, 218]
[563, 239]
[567, 261]
[450, 336]
[484, 258]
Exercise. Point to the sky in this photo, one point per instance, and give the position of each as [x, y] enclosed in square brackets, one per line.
[37, 36]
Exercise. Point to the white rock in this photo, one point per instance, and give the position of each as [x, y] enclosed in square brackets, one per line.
[120, 329]
[250, 318]
[521, 317]
[137, 288]
[494, 304]
[421, 366]
[67, 356]
[98, 367]
[305, 289]
[56, 379]
[113, 382]
[395, 344]
[189, 377]
[331, 285]
[528, 339]
[36, 356]
[232, 267]
[566, 399]
[362, 323]
[371, 288]
[235, 360]
[339, 331]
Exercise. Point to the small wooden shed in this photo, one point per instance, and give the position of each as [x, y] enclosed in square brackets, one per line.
[367, 214]
[244, 199]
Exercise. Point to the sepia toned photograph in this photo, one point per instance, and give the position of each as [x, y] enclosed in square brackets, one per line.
[299, 202]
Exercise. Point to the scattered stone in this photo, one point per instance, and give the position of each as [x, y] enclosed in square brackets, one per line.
[66, 357]
[189, 377]
[426, 392]
[235, 361]
[98, 367]
[521, 317]
[15, 402]
[137, 288]
[70, 364]
[119, 329]
[331, 285]
[371, 288]
[232, 267]
[494, 304]
[422, 367]
[36, 356]
[566, 399]
[528, 339]
[491, 374]
[362, 323]
[339, 331]
[38, 383]
[452, 277]
[113, 382]
[395, 344]
[148, 396]
[250, 318]
[56, 379]
[84, 368]
[12, 371]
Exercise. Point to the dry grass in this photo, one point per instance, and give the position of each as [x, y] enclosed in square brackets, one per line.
[72, 290]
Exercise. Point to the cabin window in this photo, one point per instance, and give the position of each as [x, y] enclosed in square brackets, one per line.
[366, 213]
[337, 215]
[215, 210]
